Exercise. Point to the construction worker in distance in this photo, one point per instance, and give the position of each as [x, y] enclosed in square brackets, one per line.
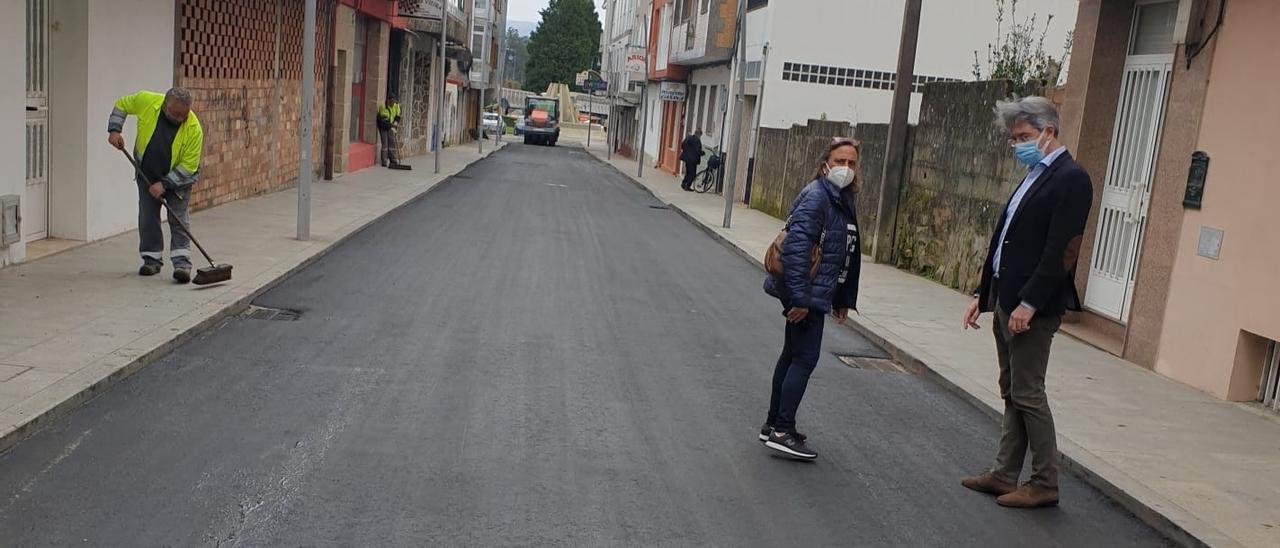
[388, 127]
[168, 148]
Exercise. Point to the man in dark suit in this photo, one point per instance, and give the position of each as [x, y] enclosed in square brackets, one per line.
[1028, 281]
[691, 155]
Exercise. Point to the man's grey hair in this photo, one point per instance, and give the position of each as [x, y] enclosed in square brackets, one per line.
[1037, 111]
[178, 95]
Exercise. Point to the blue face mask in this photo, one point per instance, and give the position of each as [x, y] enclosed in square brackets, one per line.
[1029, 153]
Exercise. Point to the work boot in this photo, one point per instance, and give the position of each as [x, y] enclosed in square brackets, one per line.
[182, 274]
[1030, 495]
[989, 484]
[149, 269]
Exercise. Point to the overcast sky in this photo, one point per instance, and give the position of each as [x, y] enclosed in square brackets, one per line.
[527, 10]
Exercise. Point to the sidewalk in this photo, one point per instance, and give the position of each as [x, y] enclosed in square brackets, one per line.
[1199, 469]
[75, 322]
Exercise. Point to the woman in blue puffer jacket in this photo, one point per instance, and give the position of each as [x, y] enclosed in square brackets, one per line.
[822, 214]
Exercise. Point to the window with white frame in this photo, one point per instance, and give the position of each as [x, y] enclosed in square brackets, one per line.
[477, 42]
[712, 108]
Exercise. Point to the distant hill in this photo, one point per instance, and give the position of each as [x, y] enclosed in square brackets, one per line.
[525, 28]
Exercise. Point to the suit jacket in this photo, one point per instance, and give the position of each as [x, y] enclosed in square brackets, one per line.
[691, 149]
[1038, 261]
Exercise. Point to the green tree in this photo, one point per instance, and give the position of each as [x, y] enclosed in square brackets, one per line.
[519, 46]
[565, 43]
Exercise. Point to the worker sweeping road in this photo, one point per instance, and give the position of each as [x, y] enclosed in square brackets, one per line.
[388, 130]
[168, 148]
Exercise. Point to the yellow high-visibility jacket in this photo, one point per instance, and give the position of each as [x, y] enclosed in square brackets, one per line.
[187, 144]
[390, 112]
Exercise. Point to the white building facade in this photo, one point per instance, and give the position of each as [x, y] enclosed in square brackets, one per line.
[57, 173]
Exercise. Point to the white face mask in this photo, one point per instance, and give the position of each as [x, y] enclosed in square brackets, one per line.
[840, 176]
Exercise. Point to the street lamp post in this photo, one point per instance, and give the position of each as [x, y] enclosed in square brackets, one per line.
[304, 136]
[739, 103]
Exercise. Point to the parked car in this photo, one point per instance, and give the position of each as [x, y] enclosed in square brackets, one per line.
[493, 123]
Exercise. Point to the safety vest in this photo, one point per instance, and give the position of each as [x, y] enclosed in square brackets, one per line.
[390, 112]
[184, 160]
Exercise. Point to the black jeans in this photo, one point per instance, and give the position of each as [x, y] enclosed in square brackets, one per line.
[791, 376]
[690, 171]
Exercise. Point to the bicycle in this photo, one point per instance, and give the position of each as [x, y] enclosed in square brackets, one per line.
[709, 176]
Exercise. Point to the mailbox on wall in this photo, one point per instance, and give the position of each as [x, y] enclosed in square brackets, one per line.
[1195, 180]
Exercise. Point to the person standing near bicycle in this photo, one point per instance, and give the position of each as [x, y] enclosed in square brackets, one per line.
[822, 215]
[691, 155]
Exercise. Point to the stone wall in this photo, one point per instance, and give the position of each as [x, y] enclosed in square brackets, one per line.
[227, 57]
[961, 176]
[786, 160]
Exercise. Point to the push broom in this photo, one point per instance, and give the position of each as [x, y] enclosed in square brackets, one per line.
[212, 274]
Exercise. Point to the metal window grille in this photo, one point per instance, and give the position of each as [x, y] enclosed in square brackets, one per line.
[1269, 392]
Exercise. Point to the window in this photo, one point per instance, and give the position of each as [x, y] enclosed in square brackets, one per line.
[712, 108]
[701, 91]
[845, 76]
[1153, 28]
[357, 78]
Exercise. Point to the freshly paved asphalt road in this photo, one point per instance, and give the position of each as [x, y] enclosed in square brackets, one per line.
[530, 355]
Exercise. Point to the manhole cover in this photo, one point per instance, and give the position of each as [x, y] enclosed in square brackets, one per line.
[871, 364]
[271, 314]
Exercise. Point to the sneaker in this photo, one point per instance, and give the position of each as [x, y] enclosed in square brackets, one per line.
[766, 430]
[182, 275]
[789, 445]
[149, 269]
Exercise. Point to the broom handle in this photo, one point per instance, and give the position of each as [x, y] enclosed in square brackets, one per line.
[181, 224]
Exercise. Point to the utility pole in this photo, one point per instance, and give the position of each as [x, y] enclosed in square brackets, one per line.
[439, 139]
[755, 121]
[610, 12]
[644, 101]
[739, 99]
[896, 147]
[304, 136]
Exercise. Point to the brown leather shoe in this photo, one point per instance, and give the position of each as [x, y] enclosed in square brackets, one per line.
[1030, 496]
[989, 484]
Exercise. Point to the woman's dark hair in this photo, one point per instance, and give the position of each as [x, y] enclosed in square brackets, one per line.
[836, 143]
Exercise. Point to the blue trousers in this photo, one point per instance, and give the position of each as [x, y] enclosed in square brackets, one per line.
[800, 352]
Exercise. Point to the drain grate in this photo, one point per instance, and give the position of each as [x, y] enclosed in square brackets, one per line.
[883, 365]
[271, 314]
[658, 207]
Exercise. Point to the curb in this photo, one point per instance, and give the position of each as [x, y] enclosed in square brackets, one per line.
[1161, 514]
[83, 395]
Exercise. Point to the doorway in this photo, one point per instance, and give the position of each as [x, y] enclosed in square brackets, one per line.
[1126, 194]
[35, 200]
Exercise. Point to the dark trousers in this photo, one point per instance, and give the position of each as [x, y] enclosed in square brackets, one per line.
[800, 353]
[1028, 422]
[690, 171]
[151, 234]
